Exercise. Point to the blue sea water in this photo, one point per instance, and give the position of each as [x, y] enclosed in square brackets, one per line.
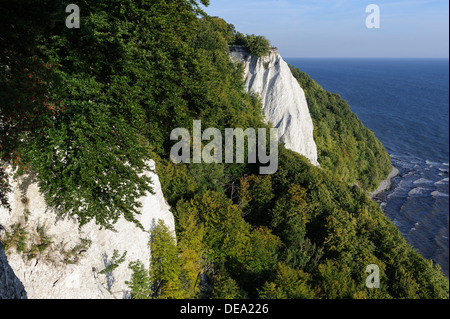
[405, 102]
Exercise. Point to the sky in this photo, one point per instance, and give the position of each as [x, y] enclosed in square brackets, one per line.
[337, 28]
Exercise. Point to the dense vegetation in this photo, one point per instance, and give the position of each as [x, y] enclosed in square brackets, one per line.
[346, 148]
[256, 45]
[86, 108]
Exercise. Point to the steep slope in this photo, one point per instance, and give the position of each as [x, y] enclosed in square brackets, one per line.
[299, 233]
[59, 260]
[283, 99]
[345, 147]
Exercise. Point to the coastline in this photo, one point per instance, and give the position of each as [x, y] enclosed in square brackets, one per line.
[386, 183]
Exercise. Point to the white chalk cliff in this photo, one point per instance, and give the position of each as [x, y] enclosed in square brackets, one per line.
[283, 99]
[75, 264]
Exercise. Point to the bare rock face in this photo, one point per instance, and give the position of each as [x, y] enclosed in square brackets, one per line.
[10, 286]
[283, 99]
[50, 257]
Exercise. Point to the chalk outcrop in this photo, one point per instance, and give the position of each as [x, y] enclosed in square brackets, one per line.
[76, 263]
[283, 99]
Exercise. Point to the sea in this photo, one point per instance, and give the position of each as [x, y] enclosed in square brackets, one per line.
[405, 102]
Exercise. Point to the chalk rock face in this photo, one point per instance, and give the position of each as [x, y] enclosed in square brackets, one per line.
[76, 263]
[283, 99]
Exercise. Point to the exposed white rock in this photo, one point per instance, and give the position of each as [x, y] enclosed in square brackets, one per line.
[71, 266]
[283, 99]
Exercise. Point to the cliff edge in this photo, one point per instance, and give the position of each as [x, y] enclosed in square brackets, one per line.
[283, 99]
[47, 256]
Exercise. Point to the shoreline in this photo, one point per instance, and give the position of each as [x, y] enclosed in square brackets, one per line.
[386, 183]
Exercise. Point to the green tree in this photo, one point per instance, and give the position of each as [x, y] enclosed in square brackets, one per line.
[165, 267]
[140, 282]
[257, 45]
[226, 287]
[335, 281]
[192, 249]
[289, 283]
[261, 260]
[227, 233]
[255, 195]
[23, 78]
[92, 128]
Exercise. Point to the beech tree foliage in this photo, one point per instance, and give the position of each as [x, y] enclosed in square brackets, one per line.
[84, 110]
[83, 107]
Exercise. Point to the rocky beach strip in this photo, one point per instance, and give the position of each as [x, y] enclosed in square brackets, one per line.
[386, 183]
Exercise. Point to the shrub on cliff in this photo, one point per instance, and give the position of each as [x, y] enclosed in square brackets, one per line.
[256, 45]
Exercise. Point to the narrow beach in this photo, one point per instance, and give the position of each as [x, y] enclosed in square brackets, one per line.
[386, 183]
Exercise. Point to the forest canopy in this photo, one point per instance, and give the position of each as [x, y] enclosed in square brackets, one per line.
[86, 109]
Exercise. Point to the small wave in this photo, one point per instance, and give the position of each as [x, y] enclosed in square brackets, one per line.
[431, 163]
[423, 181]
[442, 181]
[417, 204]
[415, 227]
[418, 191]
[400, 191]
[437, 194]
